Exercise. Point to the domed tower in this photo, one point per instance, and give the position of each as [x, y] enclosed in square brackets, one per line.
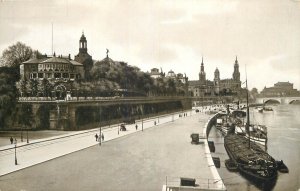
[217, 81]
[236, 73]
[82, 44]
[83, 57]
[202, 74]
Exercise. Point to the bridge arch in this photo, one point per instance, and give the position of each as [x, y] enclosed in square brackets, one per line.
[272, 101]
[297, 101]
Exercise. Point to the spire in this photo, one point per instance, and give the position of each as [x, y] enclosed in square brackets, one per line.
[202, 65]
[236, 73]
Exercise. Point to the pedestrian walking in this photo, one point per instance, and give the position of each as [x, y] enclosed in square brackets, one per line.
[136, 127]
[154, 122]
[11, 140]
[96, 136]
[102, 136]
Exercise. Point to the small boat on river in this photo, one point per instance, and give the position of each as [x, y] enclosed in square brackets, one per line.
[258, 133]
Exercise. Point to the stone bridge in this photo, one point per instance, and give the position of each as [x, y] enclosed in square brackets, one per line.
[208, 100]
[280, 100]
[76, 113]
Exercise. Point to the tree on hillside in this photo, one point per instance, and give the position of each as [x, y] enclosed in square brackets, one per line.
[14, 55]
[99, 70]
[8, 94]
[45, 87]
[36, 54]
[25, 115]
[33, 86]
[22, 87]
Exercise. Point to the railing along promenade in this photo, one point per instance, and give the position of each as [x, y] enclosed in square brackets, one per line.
[88, 99]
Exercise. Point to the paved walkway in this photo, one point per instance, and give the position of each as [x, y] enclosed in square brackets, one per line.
[132, 163]
[42, 150]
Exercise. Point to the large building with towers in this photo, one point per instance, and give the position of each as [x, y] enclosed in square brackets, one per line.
[217, 87]
[58, 67]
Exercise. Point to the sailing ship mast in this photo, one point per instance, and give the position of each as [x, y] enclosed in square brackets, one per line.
[248, 116]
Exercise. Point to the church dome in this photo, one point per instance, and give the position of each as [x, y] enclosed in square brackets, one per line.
[171, 74]
[106, 60]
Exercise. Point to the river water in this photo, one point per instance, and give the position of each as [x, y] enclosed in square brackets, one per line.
[283, 144]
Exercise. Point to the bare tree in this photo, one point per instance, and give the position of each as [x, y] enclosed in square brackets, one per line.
[14, 55]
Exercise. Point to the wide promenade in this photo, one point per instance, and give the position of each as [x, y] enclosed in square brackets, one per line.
[130, 160]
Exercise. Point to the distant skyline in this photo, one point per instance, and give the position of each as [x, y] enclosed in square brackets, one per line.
[169, 34]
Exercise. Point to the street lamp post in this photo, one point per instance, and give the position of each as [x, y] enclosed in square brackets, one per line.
[27, 135]
[27, 128]
[16, 162]
[172, 117]
[100, 137]
[157, 116]
[142, 123]
[21, 133]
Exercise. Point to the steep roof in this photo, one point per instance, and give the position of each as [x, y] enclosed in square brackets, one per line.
[34, 61]
[56, 60]
[76, 63]
[52, 60]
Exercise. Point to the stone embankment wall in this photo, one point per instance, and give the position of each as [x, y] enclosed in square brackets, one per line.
[64, 115]
[219, 182]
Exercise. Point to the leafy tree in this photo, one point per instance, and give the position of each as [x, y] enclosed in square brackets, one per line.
[99, 70]
[22, 87]
[25, 115]
[8, 94]
[36, 54]
[45, 87]
[33, 86]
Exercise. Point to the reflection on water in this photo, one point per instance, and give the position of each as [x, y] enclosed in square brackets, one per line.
[283, 144]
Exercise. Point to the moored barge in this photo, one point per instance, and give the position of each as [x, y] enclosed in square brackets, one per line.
[252, 162]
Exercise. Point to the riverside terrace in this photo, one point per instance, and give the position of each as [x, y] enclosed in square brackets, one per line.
[84, 113]
[137, 159]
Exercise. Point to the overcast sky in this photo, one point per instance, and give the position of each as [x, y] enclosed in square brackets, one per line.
[175, 34]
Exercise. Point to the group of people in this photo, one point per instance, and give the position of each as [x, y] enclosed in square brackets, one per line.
[98, 138]
[102, 136]
[184, 115]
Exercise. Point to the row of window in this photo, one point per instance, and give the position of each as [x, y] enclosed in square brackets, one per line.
[56, 70]
[54, 75]
[56, 66]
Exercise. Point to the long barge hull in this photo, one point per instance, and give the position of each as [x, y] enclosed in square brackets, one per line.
[245, 169]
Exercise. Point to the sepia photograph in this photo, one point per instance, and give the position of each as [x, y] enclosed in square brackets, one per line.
[149, 95]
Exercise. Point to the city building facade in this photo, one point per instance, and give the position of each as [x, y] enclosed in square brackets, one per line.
[52, 68]
[280, 89]
[58, 67]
